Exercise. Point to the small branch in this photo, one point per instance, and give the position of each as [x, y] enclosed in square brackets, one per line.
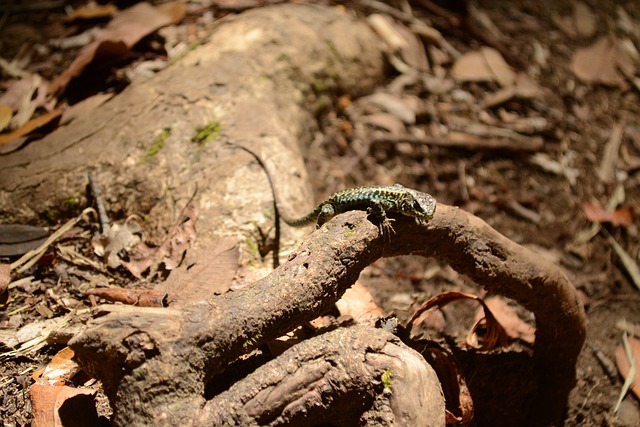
[467, 141]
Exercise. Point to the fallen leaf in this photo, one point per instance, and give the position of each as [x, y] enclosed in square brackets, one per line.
[119, 239]
[59, 406]
[392, 104]
[6, 113]
[495, 334]
[91, 10]
[207, 270]
[60, 369]
[358, 303]
[18, 239]
[32, 125]
[599, 63]
[596, 213]
[581, 24]
[485, 64]
[514, 326]
[622, 361]
[119, 36]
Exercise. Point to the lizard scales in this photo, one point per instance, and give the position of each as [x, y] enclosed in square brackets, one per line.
[377, 200]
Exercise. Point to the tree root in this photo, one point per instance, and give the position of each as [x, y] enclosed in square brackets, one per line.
[154, 364]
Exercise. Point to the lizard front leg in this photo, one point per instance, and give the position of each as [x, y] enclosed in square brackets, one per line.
[378, 208]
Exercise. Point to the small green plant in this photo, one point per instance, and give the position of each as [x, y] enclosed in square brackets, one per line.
[158, 143]
[207, 133]
[251, 342]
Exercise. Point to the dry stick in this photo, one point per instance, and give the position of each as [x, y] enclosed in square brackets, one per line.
[154, 363]
[468, 141]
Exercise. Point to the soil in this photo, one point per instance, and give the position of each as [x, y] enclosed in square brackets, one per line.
[507, 188]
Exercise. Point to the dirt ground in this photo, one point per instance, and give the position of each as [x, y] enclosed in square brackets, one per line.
[544, 198]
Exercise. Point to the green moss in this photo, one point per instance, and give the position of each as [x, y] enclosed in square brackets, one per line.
[386, 380]
[207, 133]
[158, 144]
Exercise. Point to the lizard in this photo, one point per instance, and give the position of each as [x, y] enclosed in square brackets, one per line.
[377, 200]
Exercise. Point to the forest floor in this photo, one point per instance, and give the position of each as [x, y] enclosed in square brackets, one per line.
[538, 136]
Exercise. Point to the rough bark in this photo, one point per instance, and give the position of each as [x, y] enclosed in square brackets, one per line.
[145, 356]
[261, 77]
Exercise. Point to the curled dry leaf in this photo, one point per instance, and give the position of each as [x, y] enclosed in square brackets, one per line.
[495, 334]
[59, 370]
[514, 326]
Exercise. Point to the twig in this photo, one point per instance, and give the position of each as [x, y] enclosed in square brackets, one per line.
[102, 212]
[467, 141]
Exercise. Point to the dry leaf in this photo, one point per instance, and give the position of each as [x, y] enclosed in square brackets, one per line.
[207, 271]
[32, 125]
[581, 24]
[48, 411]
[495, 333]
[599, 63]
[515, 327]
[6, 113]
[358, 303]
[119, 36]
[486, 64]
[18, 239]
[596, 213]
[393, 105]
[60, 369]
[623, 363]
[91, 10]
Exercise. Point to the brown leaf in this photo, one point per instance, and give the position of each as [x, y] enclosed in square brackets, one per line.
[623, 363]
[485, 64]
[358, 303]
[207, 271]
[30, 126]
[599, 63]
[495, 333]
[596, 213]
[514, 326]
[92, 10]
[6, 113]
[60, 369]
[119, 36]
[48, 411]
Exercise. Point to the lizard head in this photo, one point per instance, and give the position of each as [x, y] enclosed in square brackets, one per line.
[423, 206]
